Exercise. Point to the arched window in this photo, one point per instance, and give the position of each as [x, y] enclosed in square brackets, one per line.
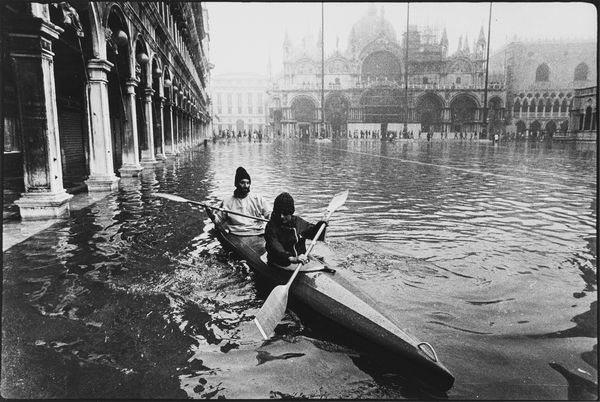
[517, 108]
[542, 74]
[581, 72]
[525, 105]
[548, 106]
[532, 106]
[556, 106]
[540, 106]
[588, 118]
[458, 80]
[563, 106]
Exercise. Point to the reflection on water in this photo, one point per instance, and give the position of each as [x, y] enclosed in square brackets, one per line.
[487, 252]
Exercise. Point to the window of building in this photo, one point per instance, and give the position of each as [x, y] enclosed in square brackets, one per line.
[425, 80]
[458, 80]
[240, 109]
[219, 99]
[219, 109]
[517, 108]
[259, 99]
[249, 99]
[250, 109]
[229, 101]
[581, 72]
[239, 99]
[542, 74]
[229, 109]
[260, 109]
[588, 118]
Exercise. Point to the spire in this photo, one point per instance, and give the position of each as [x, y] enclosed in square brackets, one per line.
[466, 49]
[459, 44]
[286, 39]
[481, 36]
[444, 41]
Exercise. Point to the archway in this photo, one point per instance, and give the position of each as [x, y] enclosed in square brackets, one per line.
[304, 111]
[429, 112]
[521, 127]
[336, 113]
[550, 128]
[382, 104]
[495, 114]
[534, 128]
[71, 55]
[141, 66]
[381, 66]
[157, 106]
[462, 113]
[117, 52]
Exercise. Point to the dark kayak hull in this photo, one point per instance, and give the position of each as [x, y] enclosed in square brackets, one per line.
[337, 299]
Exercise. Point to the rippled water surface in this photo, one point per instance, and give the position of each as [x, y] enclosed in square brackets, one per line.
[486, 252]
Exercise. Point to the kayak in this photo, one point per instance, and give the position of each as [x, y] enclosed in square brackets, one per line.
[334, 297]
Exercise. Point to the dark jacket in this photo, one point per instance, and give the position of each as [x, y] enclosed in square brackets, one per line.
[283, 241]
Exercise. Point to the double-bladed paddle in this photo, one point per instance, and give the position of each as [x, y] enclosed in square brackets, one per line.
[181, 199]
[273, 310]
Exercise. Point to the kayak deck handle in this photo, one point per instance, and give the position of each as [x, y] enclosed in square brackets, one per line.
[434, 358]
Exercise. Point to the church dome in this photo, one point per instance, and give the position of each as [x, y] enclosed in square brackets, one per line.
[368, 28]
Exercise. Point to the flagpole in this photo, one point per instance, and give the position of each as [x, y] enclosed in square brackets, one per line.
[406, 72]
[487, 64]
[322, 70]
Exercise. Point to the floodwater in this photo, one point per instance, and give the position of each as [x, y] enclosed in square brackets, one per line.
[487, 252]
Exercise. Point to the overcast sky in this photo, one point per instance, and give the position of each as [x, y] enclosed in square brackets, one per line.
[244, 35]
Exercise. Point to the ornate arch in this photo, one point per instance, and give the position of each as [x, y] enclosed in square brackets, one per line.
[380, 44]
[304, 109]
[464, 94]
[381, 64]
[460, 65]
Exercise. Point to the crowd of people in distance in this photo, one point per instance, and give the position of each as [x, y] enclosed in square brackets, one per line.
[241, 134]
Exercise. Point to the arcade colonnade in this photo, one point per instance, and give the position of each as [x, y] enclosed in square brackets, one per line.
[99, 91]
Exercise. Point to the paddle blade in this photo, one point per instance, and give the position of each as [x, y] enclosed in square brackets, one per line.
[272, 312]
[171, 197]
[337, 201]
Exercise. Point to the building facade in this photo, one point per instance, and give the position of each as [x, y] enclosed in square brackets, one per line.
[530, 89]
[96, 91]
[542, 78]
[239, 103]
[364, 85]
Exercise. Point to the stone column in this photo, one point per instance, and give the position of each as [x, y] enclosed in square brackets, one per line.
[161, 125]
[102, 175]
[131, 160]
[171, 149]
[32, 54]
[175, 135]
[148, 159]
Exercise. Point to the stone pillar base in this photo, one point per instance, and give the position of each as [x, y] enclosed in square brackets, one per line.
[161, 157]
[130, 170]
[102, 184]
[44, 205]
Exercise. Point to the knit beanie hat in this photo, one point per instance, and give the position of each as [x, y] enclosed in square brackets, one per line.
[284, 204]
[241, 174]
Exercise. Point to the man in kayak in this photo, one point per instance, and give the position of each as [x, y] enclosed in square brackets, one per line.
[244, 202]
[286, 234]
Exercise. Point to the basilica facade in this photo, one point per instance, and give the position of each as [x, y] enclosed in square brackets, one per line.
[364, 85]
[530, 91]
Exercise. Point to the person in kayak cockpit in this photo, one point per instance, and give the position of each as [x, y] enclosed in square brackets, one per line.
[244, 202]
[286, 234]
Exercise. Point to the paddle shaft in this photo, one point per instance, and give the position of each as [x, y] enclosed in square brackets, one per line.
[312, 245]
[228, 211]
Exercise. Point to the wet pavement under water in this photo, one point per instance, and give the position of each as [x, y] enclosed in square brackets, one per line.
[487, 252]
